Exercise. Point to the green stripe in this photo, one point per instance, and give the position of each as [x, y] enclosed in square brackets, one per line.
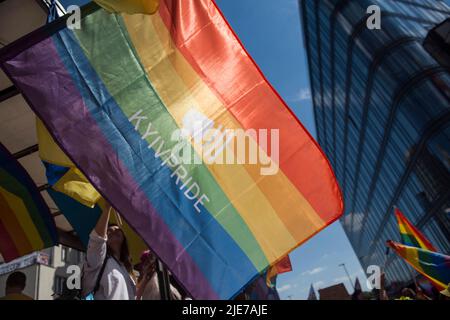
[142, 96]
[428, 264]
[9, 183]
[410, 240]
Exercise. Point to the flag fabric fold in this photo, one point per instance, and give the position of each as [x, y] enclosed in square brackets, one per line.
[61, 173]
[434, 266]
[74, 195]
[123, 97]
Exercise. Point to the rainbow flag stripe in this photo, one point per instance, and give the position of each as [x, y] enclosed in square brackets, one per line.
[434, 266]
[26, 224]
[410, 235]
[282, 266]
[115, 93]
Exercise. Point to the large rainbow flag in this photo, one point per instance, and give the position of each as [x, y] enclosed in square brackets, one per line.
[114, 96]
[434, 266]
[130, 6]
[26, 224]
[410, 235]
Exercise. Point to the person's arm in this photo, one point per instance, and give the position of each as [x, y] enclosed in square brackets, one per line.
[147, 273]
[101, 228]
[96, 251]
[141, 287]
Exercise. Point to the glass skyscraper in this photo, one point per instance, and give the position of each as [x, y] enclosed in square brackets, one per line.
[382, 110]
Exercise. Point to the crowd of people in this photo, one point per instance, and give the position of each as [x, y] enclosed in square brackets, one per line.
[415, 292]
[108, 273]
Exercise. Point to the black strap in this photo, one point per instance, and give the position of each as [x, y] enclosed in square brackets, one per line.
[99, 277]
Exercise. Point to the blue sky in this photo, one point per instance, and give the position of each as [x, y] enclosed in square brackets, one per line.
[271, 32]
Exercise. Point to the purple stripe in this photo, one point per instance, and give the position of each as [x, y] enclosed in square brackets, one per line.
[58, 103]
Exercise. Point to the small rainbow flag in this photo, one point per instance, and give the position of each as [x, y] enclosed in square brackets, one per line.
[410, 235]
[258, 290]
[434, 266]
[26, 224]
[155, 111]
[282, 266]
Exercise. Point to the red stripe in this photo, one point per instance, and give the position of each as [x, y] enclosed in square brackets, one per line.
[284, 265]
[221, 61]
[7, 246]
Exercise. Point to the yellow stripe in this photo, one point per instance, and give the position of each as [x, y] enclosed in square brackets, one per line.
[24, 218]
[412, 256]
[183, 89]
[404, 229]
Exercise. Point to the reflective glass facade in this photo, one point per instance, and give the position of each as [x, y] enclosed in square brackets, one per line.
[382, 109]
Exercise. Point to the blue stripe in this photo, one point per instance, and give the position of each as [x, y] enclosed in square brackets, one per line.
[221, 260]
[435, 265]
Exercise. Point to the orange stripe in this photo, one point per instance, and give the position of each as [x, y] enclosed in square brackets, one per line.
[294, 209]
[180, 88]
[11, 224]
[242, 191]
[220, 60]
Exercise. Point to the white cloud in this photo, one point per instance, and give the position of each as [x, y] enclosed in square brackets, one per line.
[303, 94]
[313, 271]
[286, 287]
[356, 218]
[327, 255]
